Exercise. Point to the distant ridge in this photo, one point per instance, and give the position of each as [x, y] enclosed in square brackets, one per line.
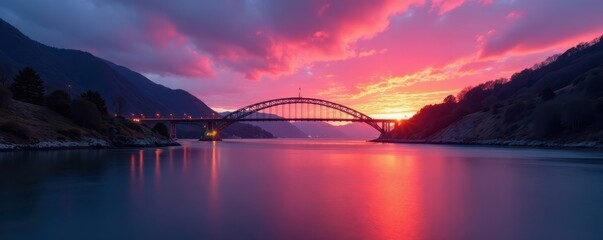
[83, 71]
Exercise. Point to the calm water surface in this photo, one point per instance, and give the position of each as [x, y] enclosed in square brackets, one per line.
[300, 189]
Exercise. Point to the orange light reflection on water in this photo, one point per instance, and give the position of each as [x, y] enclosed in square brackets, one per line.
[141, 165]
[374, 196]
[185, 158]
[157, 166]
[394, 197]
[214, 200]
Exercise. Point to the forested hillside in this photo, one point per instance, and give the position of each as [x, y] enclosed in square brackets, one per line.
[556, 102]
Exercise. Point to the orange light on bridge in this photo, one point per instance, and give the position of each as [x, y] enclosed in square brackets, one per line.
[136, 119]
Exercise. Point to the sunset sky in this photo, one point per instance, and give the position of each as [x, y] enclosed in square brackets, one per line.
[384, 58]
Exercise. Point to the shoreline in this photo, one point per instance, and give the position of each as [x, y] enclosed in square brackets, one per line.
[586, 145]
[90, 143]
[148, 143]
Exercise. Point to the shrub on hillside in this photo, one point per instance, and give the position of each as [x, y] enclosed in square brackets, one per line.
[86, 114]
[28, 87]
[161, 129]
[5, 96]
[450, 99]
[16, 129]
[95, 98]
[60, 102]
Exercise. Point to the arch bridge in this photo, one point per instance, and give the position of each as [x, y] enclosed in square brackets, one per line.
[281, 109]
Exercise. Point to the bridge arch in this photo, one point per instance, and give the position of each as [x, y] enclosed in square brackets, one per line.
[254, 108]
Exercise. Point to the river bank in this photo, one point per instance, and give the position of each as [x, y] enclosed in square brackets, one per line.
[502, 143]
[26, 126]
[88, 143]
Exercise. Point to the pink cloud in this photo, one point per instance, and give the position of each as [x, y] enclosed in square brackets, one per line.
[543, 26]
[514, 15]
[270, 37]
[444, 6]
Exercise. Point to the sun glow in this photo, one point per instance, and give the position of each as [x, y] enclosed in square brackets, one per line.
[397, 116]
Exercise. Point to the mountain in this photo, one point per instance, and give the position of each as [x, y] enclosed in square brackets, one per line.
[558, 102]
[358, 130]
[353, 130]
[320, 130]
[278, 129]
[83, 71]
[60, 68]
[281, 129]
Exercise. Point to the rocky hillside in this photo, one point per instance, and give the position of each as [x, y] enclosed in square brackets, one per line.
[558, 102]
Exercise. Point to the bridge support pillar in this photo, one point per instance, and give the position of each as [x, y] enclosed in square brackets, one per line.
[173, 131]
[211, 133]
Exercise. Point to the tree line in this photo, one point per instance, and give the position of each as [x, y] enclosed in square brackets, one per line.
[86, 109]
[563, 94]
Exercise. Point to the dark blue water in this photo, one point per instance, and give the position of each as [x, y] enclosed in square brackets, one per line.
[291, 189]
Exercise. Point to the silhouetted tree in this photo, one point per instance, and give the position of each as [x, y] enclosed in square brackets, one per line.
[28, 87]
[450, 99]
[461, 94]
[95, 98]
[85, 113]
[60, 102]
[161, 129]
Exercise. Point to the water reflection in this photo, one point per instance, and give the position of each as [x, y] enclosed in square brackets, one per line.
[157, 166]
[214, 200]
[301, 190]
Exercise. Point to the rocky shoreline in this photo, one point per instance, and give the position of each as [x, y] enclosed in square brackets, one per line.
[87, 143]
[502, 143]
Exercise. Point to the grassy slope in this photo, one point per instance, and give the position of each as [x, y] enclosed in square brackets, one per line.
[40, 124]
